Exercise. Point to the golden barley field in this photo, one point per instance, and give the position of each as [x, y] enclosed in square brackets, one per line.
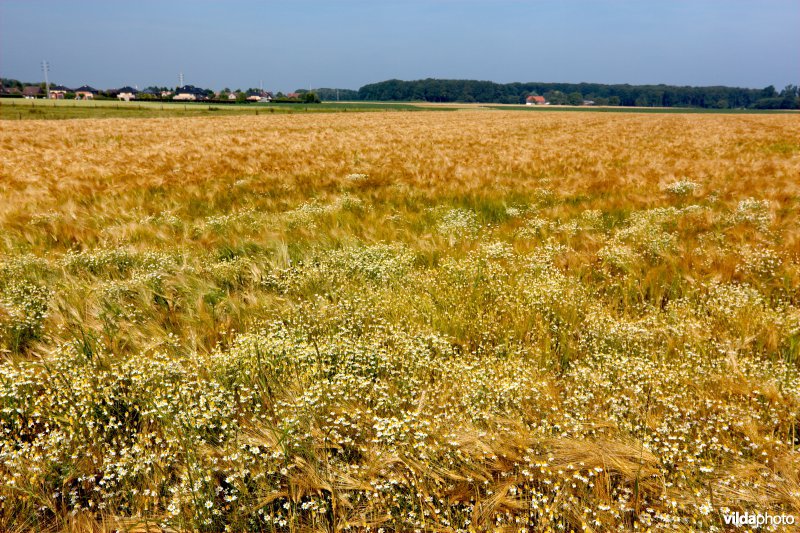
[388, 322]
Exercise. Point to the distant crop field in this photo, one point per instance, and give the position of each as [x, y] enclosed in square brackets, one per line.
[427, 321]
[21, 109]
[641, 109]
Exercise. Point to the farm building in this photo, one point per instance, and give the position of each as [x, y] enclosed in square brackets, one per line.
[535, 100]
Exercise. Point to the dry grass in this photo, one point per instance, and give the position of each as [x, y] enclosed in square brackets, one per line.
[438, 321]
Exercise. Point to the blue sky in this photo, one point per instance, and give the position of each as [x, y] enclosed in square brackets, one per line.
[290, 44]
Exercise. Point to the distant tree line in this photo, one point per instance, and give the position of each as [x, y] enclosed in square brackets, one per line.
[335, 95]
[13, 84]
[434, 90]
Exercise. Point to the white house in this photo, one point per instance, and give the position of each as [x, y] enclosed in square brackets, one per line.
[127, 94]
[188, 93]
[58, 92]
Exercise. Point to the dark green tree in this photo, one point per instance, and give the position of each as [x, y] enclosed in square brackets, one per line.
[434, 90]
[789, 97]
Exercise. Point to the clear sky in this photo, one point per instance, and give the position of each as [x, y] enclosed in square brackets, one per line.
[347, 43]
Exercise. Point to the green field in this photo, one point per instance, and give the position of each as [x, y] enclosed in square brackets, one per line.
[18, 109]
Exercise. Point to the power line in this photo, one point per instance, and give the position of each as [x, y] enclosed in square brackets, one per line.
[46, 69]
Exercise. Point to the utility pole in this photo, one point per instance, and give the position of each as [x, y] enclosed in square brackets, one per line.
[46, 69]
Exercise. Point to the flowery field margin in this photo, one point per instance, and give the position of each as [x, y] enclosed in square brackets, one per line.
[461, 322]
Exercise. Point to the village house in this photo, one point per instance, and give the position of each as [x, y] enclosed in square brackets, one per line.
[127, 94]
[85, 92]
[31, 91]
[13, 91]
[535, 100]
[259, 96]
[58, 92]
[189, 93]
